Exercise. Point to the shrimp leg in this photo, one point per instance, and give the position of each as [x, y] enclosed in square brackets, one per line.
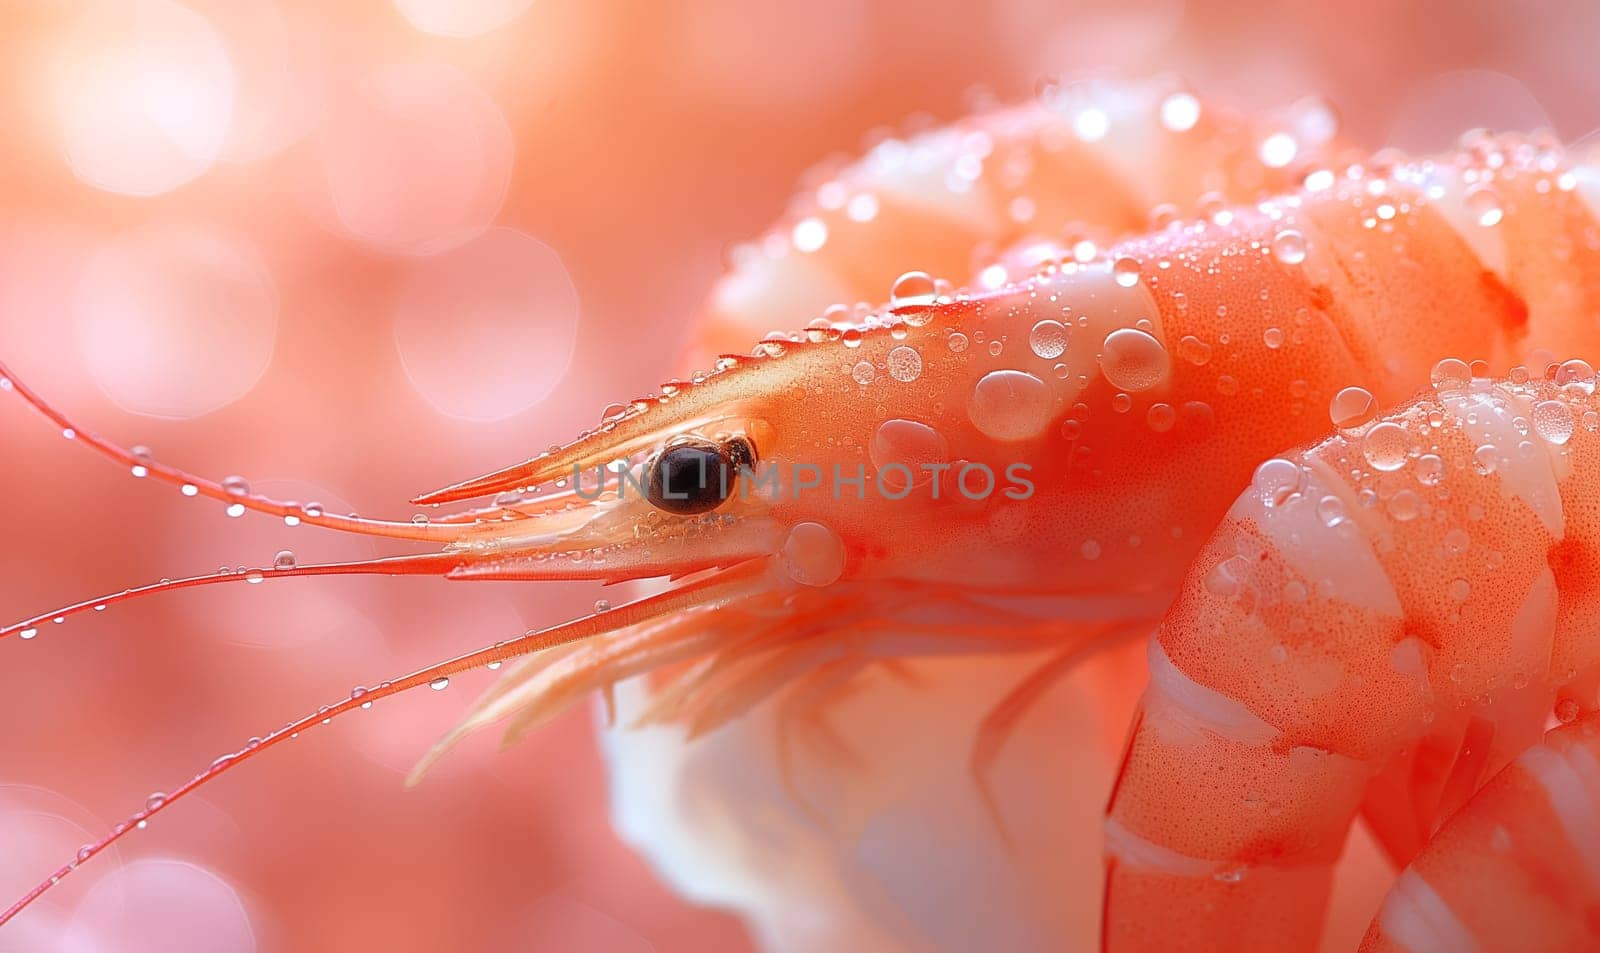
[1442, 562]
[1517, 869]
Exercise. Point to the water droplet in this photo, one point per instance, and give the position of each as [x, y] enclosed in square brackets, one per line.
[1126, 271]
[1484, 205]
[1450, 373]
[1568, 710]
[1132, 360]
[235, 486]
[1161, 417]
[602, 605]
[912, 289]
[494, 666]
[1457, 541]
[1194, 350]
[1010, 405]
[1278, 479]
[1386, 446]
[1048, 339]
[905, 364]
[813, 555]
[440, 684]
[234, 510]
[1405, 506]
[1352, 407]
[1272, 338]
[863, 372]
[1289, 246]
[284, 560]
[1576, 375]
[1330, 509]
[28, 633]
[1458, 590]
[1552, 420]
[155, 802]
[957, 342]
[1090, 549]
[189, 489]
[253, 577]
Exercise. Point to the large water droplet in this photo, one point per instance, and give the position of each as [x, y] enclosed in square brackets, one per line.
[1450, 373]
[1126, 271]
[914, 288]
[1352, 407]
[1386, 446]
[1133, 360]
[1485, 206]
[905, 364]
[1048, 339]
[284, 560]
[1278, 479]
[1010, 405]
[910, 443]
[1289, 246]
[1552, 420]
[813, 555]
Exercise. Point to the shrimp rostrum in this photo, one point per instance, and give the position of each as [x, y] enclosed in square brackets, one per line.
[1031, 467]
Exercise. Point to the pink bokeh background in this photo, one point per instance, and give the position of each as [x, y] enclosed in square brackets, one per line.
[354, 251]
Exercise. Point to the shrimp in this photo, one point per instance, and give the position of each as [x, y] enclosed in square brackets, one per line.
[568, 535]
[1073, 434]
[1517, 868]
[1426, 581]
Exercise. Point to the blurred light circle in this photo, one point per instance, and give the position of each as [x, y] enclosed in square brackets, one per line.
[278, 76]
[1048, 37]
[460, 17]
[170, 906]
[1432, 115]
[417, 159]
[175, 321]
[487, 331]
[809, 52]
[40, 830]
[145, 95]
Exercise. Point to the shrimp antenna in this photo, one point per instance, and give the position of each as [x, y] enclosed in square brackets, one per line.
[429, 564]
[191, 485]
[710, 590]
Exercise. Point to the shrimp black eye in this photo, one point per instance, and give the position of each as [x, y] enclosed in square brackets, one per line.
[690, 477]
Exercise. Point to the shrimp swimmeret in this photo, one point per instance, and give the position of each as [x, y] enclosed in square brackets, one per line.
[1073, 437]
